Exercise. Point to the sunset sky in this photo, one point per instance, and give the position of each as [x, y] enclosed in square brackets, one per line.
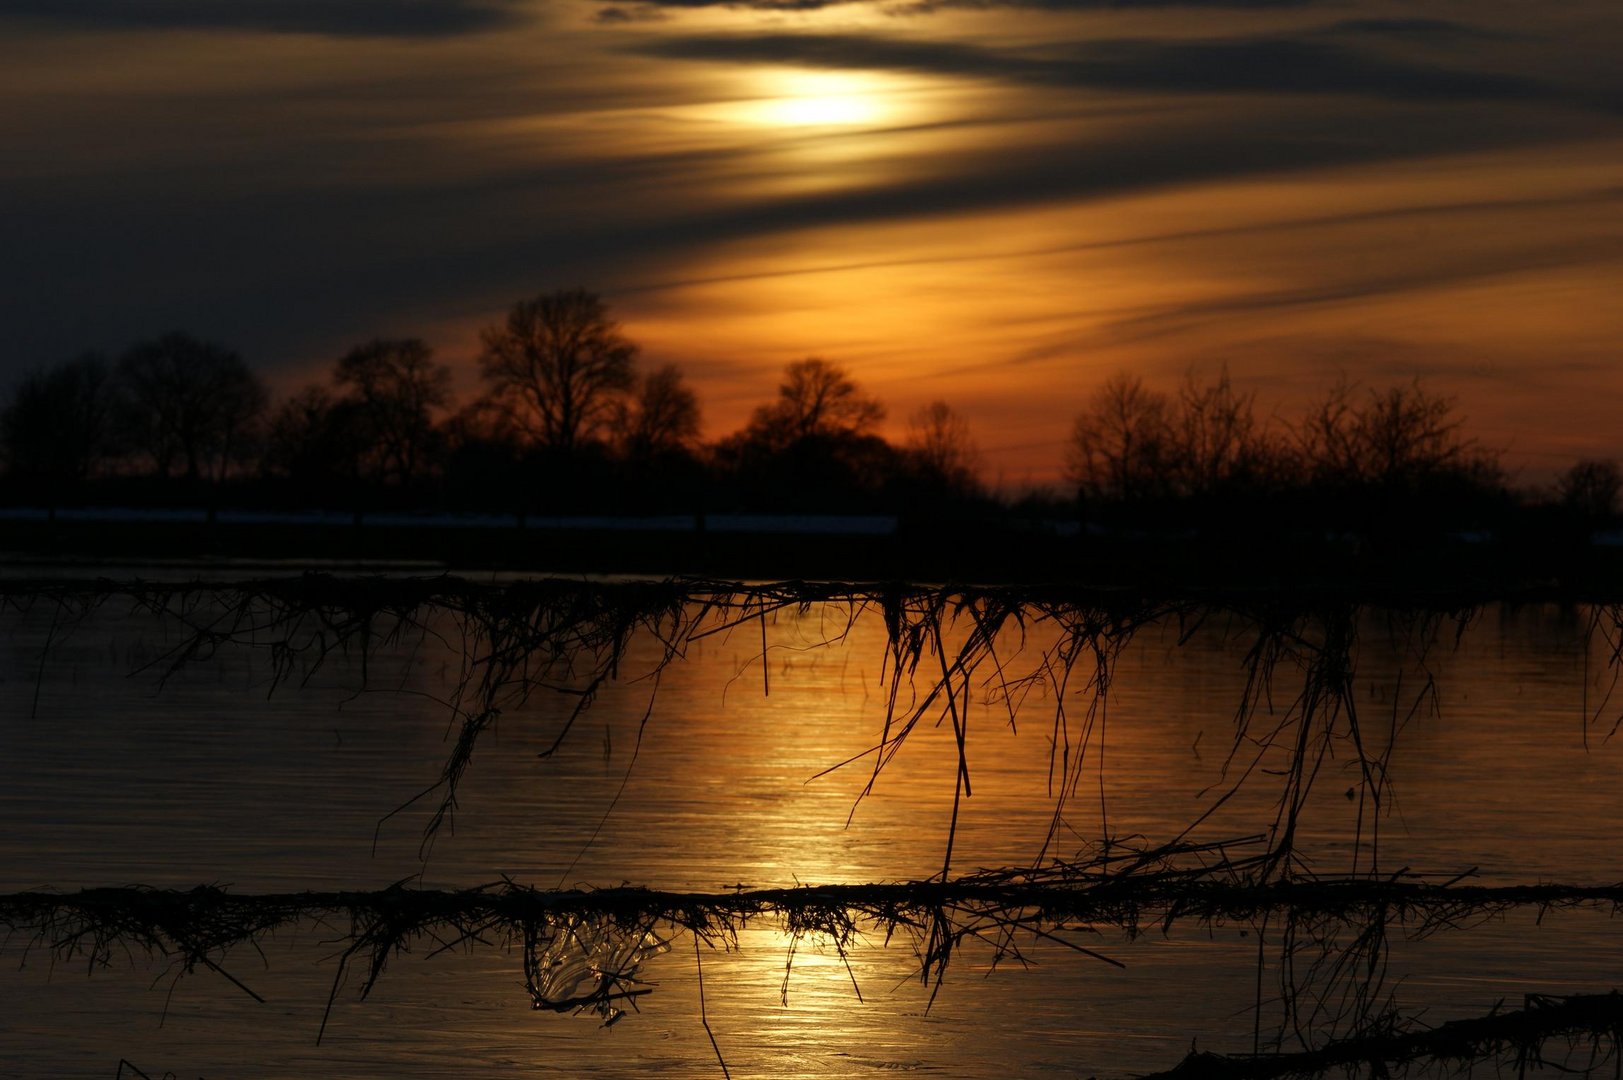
[993, 203]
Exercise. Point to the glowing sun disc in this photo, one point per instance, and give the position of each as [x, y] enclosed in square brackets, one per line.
[807, 111]
[821, 98]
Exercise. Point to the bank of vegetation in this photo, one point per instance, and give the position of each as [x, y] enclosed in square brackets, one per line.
[569, 422]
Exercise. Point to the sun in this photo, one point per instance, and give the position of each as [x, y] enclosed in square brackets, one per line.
[813, 101]
[799, 98]
[833, 109]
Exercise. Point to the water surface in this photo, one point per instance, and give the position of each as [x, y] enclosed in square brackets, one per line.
[110, 775]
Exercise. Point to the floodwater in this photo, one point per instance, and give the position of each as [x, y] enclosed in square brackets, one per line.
[714, 776]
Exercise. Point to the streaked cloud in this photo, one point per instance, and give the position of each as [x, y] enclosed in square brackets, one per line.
[362, 18]
[921, 7]
[1275, 64]
[1430, 31]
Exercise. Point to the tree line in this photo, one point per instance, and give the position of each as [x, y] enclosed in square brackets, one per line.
[1369, 460]
[569, 421]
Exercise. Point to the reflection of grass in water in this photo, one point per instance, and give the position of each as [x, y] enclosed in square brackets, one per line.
[582, 950]
[1518, 1037]
[950, 652]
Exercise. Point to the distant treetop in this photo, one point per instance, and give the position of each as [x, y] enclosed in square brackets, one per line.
[815, 399]
[558, 364]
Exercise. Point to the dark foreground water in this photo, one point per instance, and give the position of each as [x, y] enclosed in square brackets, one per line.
[221, 775]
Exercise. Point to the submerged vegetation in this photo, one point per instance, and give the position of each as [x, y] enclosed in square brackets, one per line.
[582, 950]
[953, 656]
[1513, 1038]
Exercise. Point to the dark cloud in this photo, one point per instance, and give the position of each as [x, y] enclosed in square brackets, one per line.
[1251, 65]
[360, 18]
[1177, 318]
[640, 13]
[1155, 157]
[1424, 30]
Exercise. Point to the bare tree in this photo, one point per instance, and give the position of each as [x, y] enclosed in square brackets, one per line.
[1399, 437]
[662, 417]
[1121, 442]
[1590, 488]
[815, 399]
[189, 403]
[1214, 441]
[57, 426]
[939, 440]
[396, 387]
[558, 364]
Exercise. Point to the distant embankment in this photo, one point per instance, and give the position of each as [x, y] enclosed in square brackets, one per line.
[737, 545]
[808, 546]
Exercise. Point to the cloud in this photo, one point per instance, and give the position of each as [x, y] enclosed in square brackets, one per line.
[1067, 165]
[1251, 65]
[340, 254]
[925, 6]
[1598, 197]
[338, 18]
[637, 13]
[1179, 318]
[754, 5]
[329, 219]
[1439, 31]
[914, 7]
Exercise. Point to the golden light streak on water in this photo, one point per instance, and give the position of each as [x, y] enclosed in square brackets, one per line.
[210, 781]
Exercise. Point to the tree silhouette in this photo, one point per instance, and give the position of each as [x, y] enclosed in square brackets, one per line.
[1121, 443]
[812, 447]
[1214, 445]
[816, 399]
[661, 418]
[189, 403]
[57, 428]
[1590, 489]
[1400, 438]
[395, 387]
[939, 442]
[558, 365]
